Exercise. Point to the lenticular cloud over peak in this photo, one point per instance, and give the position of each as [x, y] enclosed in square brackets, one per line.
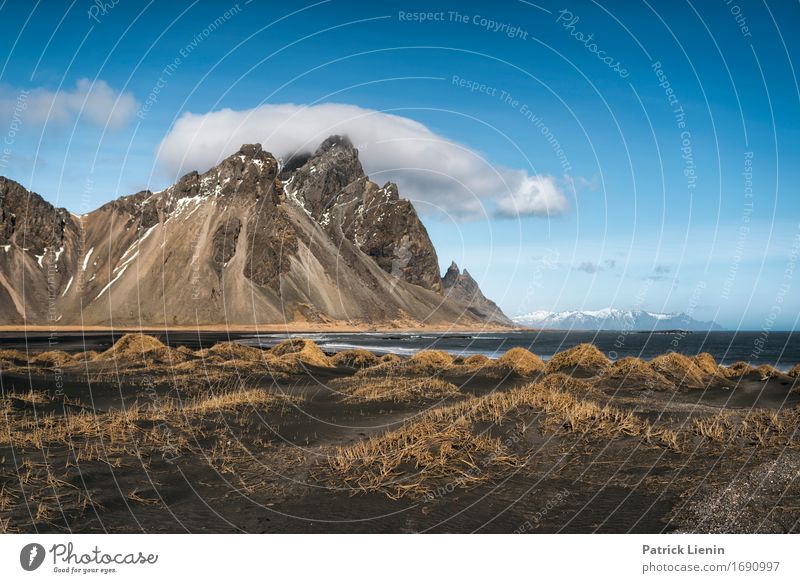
[440, 175]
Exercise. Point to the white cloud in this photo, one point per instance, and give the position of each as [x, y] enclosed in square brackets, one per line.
[533, 195]
[96, 102]
[434, 172]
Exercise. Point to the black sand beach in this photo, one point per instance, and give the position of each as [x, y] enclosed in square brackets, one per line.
[143, 437]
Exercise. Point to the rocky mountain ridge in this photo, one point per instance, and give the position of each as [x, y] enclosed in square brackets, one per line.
[249, 241]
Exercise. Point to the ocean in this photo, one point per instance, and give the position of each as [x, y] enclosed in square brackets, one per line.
[780, 349]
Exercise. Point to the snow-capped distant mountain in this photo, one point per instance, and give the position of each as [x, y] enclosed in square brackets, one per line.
[612, 319]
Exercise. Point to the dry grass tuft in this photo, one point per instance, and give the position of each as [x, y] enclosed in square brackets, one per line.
[142, 350]
[396, 389]
[429, 362]
[235, 351]
[794, 372]
[13, 356]
[629, 366]
[521, 362]
[32, 397]
[231, 399]
[425, 362]
[52, 358]
[388, 365]
[135, 344]
[679, 369]
[444, 444]
[300, 351]
[706, 363]
[413, 460]
[584, 356]
[737, 369]
[87, 356]
[637, 372]
[760, 427]
[767, 371]
[355, 359]
[477, 361]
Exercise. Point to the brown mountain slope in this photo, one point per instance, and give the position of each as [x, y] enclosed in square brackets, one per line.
[233, 245]
[462, 289]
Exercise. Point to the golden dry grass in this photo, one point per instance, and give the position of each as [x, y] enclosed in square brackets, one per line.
[300, 351]
[51, 358]
[396, 389]
[794, 372]
[135, 344]
[444, 445]
[706, 363]
[141, 350]
[472, 365]
[412, 460]
[354, 359]
[767, 371]
[230, 399]
[628, 366]
[428, 362]
[32, 397]
[585, 356]
[519, 361]
[235, 351]
[634, 372]
[477, 361]
[140, 425]
[758, 426]
[423, 363]
[11, 355]
[737, 369]
[679, 369]
[140, 434]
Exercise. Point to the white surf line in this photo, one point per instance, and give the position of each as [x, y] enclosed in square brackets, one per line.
[69, 283]
[110, 283]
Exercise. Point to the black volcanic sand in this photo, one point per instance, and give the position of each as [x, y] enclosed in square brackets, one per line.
[572, 449]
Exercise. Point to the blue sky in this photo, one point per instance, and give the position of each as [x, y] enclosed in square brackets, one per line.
[648, 205]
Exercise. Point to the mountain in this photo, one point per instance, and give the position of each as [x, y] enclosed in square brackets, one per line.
[460, 287]
[612, 319]
[250, 241]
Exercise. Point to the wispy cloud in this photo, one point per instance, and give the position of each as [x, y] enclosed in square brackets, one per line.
[444, 176]
[93, 101]
[592, 267]
[662, 272]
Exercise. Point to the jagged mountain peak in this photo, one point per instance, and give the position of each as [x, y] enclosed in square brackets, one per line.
[451, 276]
[253, 151]
[249, 158]
[237, 243]
[460, 287]
[29, 221]
[341, 142]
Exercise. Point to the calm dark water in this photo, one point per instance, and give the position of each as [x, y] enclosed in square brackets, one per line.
[781, 349]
